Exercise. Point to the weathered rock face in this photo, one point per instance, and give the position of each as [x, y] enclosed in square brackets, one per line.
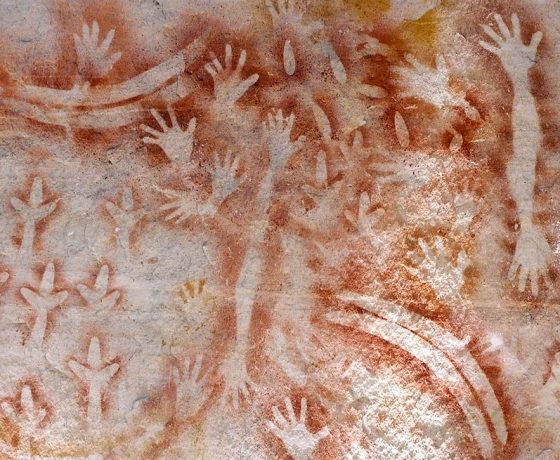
[279, 229]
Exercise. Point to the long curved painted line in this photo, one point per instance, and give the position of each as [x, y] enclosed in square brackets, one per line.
[102, 118]
[445, 342]
[146, 83]
[98, 119]
[436, 360]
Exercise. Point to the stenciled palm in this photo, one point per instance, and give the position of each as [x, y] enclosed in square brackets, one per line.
[176, 143]
[431, 85]
[297, 439]
[94, 59]
[435, 268]
[285, 14]
[229, 85]
[189, 387]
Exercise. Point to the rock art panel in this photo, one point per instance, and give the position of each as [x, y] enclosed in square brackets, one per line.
[279, 229]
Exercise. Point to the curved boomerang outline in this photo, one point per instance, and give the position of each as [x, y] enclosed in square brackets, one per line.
[103, 118]
[141, 85]
[408, 337]
[62, 107]
[444, 341]
[436, 360]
